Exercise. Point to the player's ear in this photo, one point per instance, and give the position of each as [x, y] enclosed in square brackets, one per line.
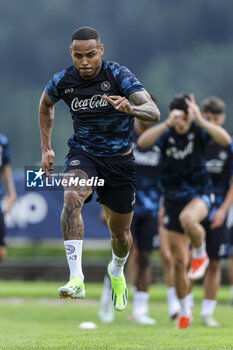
[71, 51]
[224, 118]
[102, 49]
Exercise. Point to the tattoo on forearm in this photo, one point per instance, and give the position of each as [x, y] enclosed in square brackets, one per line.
[138, 98]
[148, 110]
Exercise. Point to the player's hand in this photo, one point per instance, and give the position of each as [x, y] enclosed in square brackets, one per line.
[120, 103]
[194, 110]
[173, 116]
[47, 161]
[217, 219]
[8, 203]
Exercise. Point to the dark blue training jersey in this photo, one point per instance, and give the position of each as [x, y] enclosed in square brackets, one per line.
[148, 176]
[4, 158]
[220, 167]
[184, 172]
[98, 128]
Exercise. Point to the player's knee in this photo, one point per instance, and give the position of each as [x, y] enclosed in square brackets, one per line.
[3, 253]
[165, 256]
[186, 221]
[214, 266]
[121, 235]
[73, 200]
[144, 259]
[180, 264]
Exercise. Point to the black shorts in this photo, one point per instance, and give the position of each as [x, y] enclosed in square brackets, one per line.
[173, 210]
[118, 173]
[217, 241]
[145, 230]
[2, 229]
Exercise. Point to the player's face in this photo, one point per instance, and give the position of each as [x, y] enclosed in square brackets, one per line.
[86, 55]
[182, 122]
[215, 118]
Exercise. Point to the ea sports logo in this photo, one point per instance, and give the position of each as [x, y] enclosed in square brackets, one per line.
[105, 86]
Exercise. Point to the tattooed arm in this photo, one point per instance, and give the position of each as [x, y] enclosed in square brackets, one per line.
[142, 108]
[46, 117]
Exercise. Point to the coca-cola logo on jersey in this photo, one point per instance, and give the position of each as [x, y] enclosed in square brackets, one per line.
[96, 101]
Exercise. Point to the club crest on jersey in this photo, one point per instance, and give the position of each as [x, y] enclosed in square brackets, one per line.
[105, 85]
[190, 136]
[223, 155]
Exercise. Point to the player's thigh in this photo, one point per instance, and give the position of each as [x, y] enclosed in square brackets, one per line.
[196, 210]
[77, 192]
[163, 237]
[118, 223]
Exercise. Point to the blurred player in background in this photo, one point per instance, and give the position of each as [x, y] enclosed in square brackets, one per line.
[230, 267]
[145, 233]
[220, 167]
[103, 98]
[7, 190]
[145, 223]
[182, 139]
[168, 267]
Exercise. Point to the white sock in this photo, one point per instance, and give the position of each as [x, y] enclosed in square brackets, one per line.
[200, 252]
[140, 303]
[74, 257]
[191, 300]
[185, 306]
[231, 290]
[171, 294]
[208, 307]
[172, 301]
[117, 266]
[107, 291]
[134, 290]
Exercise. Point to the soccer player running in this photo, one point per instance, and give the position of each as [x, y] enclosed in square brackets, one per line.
[145, 226]
[103, 98]
[230, 266]
[145, 223]
[182, 139]
[7, 190]
[220, 167]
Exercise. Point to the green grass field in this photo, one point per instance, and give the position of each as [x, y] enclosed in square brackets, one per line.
[33, 318]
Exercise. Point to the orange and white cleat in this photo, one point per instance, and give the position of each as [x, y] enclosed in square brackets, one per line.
[184, 322]
[198, 268]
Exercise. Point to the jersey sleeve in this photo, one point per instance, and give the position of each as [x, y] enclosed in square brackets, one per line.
[125, 79]
[205, 137]
[160, 142]
[52, 87]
